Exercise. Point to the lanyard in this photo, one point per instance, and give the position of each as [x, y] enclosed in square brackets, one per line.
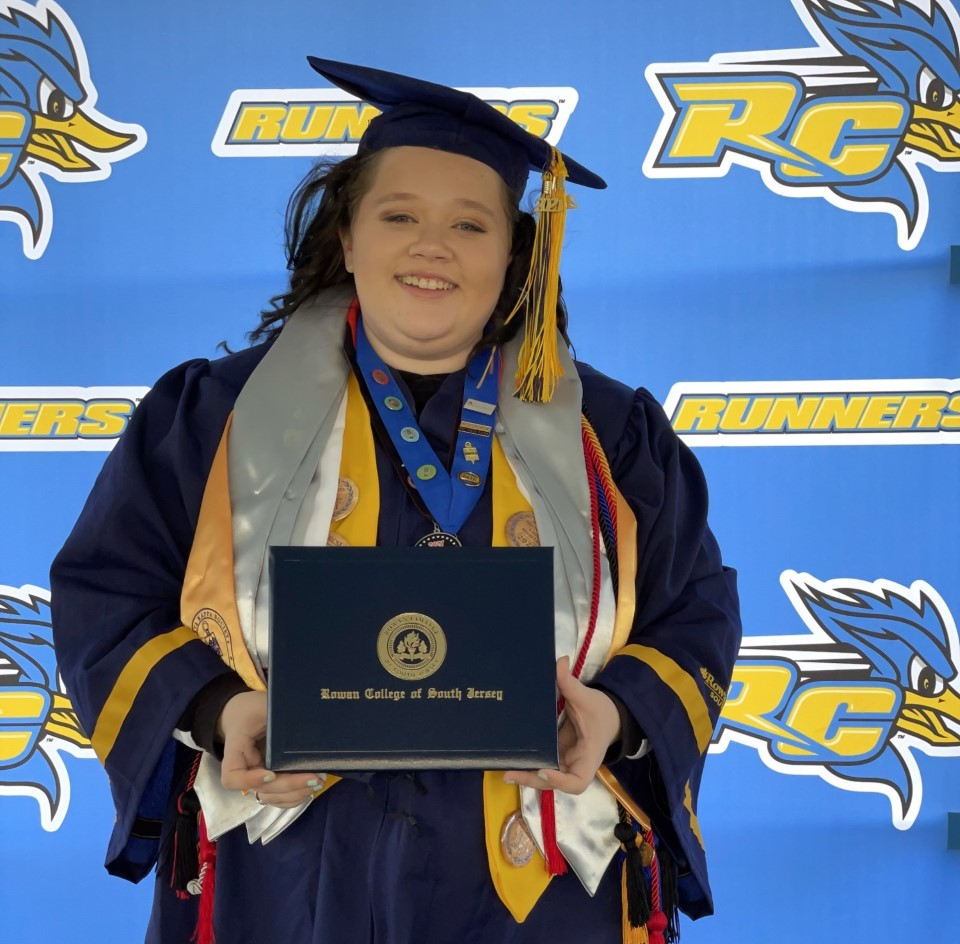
[448, 496]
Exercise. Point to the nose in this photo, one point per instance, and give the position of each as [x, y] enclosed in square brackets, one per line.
[430, 242]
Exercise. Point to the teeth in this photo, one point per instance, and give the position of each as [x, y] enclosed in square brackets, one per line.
[432, 284]
[955, 134]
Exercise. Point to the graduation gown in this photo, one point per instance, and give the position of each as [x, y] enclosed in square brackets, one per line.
[389, 858]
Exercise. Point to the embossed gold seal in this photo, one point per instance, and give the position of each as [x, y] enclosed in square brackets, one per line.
[411, 646]
[337, 540]
[522, 530]
[212, 628]
[516, 843]
[347, 497]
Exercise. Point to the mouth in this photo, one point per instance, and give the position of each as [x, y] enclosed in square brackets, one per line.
[53, 141]
[932, 726]
[427, 283]
[937, 138]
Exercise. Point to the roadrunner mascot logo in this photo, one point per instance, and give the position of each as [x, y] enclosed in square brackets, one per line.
[874, 680]
[37, 721]
[48, 123]
[849, 120]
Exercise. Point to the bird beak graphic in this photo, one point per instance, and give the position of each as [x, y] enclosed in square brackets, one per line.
[935, 131]
[934, 719]
[63, 722]
[52, 140]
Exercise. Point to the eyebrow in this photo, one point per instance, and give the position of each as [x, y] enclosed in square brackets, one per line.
[462, 201]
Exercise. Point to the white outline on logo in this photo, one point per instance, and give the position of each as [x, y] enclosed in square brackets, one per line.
[34, 169]
[779, 60]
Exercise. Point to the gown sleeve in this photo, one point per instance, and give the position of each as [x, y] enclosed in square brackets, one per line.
[675, 669]
[129, 665]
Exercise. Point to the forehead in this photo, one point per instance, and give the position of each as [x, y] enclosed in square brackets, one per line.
[428, 173]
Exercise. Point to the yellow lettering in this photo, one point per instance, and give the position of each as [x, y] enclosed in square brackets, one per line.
[819, 713]
[838, 413]
[952, 419]
[106, 418]
[698, 414]
[827, 132]
[921, 412]
[13, 744]
[349, 121]
[742, 115]
[794, 413]
[258, 123]
[58, 419]
[535, 117]
[306, 122]
[17, 419]
[880, 412]
[760, 691]
[745, 414]
[12, 125]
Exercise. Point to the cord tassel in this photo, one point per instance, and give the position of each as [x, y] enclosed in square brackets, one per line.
[208, 873]
[186, 868]
[556, 864]
[538, 368]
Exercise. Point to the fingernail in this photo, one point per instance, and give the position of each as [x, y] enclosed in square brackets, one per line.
[269, 778]
[313, 783]
[509, 780]
[543, 776]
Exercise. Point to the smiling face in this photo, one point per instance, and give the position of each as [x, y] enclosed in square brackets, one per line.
[428, 246]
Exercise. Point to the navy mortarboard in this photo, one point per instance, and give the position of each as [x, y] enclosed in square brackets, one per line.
[416, 113]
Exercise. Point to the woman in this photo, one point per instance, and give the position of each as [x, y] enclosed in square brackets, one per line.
[409, 263]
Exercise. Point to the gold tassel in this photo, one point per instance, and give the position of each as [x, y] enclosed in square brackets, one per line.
[538, 369]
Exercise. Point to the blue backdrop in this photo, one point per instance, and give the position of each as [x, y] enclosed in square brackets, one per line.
[771, 259]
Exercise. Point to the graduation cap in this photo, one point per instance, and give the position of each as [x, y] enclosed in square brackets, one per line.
[415, 113]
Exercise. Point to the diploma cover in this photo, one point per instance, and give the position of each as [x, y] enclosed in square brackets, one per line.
[411, 658]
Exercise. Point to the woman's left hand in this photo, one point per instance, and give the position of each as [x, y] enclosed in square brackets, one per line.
[591, 725]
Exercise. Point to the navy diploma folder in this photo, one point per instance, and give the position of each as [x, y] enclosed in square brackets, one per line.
[411, 658]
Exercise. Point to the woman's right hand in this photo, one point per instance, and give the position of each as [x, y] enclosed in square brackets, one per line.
[242, 726]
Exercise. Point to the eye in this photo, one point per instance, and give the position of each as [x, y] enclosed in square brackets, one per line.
[924, 680]
[469, 227]
[398, 218]
[933, 91]
[53, 103]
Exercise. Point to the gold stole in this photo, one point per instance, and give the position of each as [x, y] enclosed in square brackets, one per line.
[208, 605]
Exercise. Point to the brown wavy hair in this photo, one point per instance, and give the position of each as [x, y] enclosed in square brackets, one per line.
[324, 204]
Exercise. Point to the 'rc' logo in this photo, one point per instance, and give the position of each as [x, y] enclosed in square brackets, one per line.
[48, 122]
[848, 121]
[37, 721]
[875, 679]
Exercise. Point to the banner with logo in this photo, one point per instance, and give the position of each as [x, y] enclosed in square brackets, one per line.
[771, 259]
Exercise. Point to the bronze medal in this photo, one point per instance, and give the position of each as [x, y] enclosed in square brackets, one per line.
[337, 540]
[347, 497]
[516, 843]
[647, 854]
[521, 530]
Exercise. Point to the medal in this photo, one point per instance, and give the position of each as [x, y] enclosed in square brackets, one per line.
[347, 497]
[438, 538]
[521, 530]
[516, 843]
[470, 452]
